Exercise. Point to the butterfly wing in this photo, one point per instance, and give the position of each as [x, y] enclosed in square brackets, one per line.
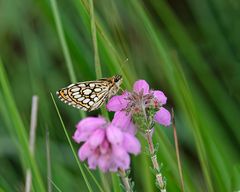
[87, 96]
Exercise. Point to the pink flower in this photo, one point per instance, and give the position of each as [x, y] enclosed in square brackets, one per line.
[141, 85]
[121, 119]
[142, 98]
[86, 127]
[106, 145]
[163, 117]
[118, 102]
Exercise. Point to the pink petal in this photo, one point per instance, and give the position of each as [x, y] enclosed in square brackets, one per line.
[86, 127]
[163, 117]
[141, 85]
[93, 161]
[159, 95]
[114, 135]
[121, 120]
[104, 147]
[117, 103]
[96, 138]
[113, 167]
[132, 129]
[121, 157]
[90, 123]
[104, 162]
[84, 152]
[80, 136]
[131, 144]
[77, 137]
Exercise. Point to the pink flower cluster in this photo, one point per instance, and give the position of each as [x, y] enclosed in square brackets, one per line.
[107, 145]
[140, 99]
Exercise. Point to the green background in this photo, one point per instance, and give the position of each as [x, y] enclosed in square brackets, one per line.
[189, 49]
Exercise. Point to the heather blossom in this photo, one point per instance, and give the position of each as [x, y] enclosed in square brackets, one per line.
[144, 107]
[107, 145]
[141, 103]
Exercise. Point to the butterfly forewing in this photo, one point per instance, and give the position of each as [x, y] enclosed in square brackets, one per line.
[88, 95]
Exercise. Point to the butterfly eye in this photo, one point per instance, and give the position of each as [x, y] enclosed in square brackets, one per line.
[117, 78]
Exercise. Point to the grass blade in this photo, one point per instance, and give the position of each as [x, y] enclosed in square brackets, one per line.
[71, 146]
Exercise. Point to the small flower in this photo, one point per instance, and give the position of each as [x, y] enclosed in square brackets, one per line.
[163, 117]
[141, 86]
[122, 119]
[107, 145]
[86, 127]
[118, 103]
[141, 103]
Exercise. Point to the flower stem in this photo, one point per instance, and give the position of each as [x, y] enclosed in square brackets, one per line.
[159, 178]
[125, 180]
[177, 150]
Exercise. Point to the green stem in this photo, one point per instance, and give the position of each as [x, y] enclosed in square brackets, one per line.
[63, 40]
[95, 44]
[95, 47]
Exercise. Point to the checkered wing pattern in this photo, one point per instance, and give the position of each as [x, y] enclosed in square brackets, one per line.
[89, 95]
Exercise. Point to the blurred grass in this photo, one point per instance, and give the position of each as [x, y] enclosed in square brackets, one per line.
[19, 133]
[188, 49]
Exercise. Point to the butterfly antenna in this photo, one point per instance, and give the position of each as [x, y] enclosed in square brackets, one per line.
[125, 61]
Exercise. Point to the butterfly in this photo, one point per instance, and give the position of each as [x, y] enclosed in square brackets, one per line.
[90, 95]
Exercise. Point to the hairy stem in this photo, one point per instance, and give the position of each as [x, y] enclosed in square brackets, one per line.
[125, 180]
[159, 178]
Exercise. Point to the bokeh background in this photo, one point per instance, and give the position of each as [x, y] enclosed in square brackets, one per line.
[189, 49]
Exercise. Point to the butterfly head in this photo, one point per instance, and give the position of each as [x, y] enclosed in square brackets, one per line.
[117, 80]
